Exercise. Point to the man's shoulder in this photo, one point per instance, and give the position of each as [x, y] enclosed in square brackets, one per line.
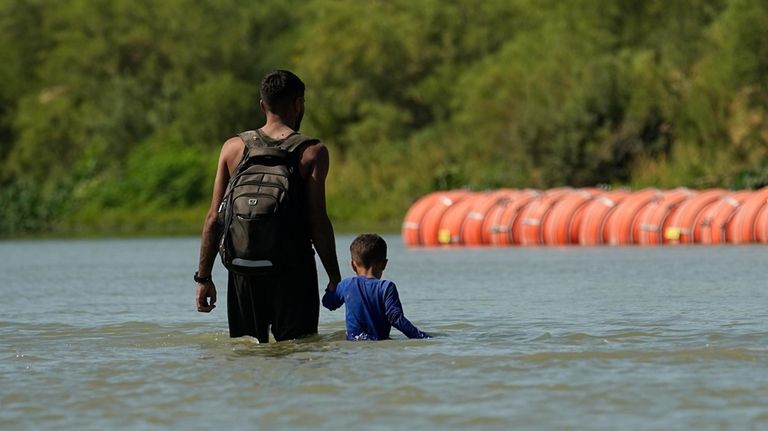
[234, 141]
[313, 149]
[306, 138]
[231, 152]
[233, 147]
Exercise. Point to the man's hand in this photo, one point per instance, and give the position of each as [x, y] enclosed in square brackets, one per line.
[204, 291]
[331, 286]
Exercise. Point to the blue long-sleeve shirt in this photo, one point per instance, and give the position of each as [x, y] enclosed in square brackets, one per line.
[372, 308]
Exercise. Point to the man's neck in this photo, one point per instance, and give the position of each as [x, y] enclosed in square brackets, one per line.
[276, 128]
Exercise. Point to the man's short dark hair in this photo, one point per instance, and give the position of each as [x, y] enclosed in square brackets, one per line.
[279, 89]
[368, 249]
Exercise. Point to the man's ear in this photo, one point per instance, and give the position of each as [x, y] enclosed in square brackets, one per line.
[354, 267]
[263, 106]
[298, 103]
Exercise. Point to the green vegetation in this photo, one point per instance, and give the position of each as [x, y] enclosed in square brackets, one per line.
[112, 112]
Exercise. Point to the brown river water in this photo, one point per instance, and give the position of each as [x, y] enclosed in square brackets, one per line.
[103, 334]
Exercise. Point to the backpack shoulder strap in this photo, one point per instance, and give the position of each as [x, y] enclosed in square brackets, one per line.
[252, 140]
[296, 141]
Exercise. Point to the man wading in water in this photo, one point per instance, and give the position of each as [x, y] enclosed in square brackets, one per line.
[286, 299]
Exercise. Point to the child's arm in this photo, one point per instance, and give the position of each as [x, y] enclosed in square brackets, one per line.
[395, 315]
[333, 299]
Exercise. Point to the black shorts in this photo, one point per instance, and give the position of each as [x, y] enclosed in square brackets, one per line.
[289, 302]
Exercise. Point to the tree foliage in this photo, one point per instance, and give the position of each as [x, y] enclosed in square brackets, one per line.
[117, 105]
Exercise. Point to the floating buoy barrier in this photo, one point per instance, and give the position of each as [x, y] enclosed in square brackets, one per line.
[587, 216]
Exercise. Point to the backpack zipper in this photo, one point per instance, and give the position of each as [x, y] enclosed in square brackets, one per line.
[273, 185]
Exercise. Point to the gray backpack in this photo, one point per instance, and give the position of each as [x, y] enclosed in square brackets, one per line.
[263, 206]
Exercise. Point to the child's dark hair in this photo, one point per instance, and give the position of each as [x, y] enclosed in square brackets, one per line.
[368, 249]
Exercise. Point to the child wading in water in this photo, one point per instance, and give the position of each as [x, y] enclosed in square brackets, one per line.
[372, 305]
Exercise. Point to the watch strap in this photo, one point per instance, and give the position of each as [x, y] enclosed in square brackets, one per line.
[201, 279]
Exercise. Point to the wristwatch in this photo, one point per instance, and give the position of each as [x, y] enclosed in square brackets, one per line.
[202, 279]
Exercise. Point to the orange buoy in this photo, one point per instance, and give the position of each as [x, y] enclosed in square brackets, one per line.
[651, 218]
[532, 217]
[412, 222]
[710, 228]
[452, 222]
[472, 232]
[595, 214]
[588, 217]
[679, 228]
[621, 227]
[430, 223]
[502, 218]
[741, 228]
[761, 225]
[564, 218]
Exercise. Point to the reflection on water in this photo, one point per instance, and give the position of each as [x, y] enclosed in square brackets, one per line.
[103, 335]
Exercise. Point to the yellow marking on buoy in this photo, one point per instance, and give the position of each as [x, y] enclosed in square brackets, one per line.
[444, 236]
[672, 233]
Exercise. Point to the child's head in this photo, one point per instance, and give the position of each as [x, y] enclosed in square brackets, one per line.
[369, 252]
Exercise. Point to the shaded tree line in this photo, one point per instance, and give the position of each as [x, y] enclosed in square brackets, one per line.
[112, 112]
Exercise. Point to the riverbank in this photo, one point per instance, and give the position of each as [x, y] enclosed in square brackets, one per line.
[121, 223]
